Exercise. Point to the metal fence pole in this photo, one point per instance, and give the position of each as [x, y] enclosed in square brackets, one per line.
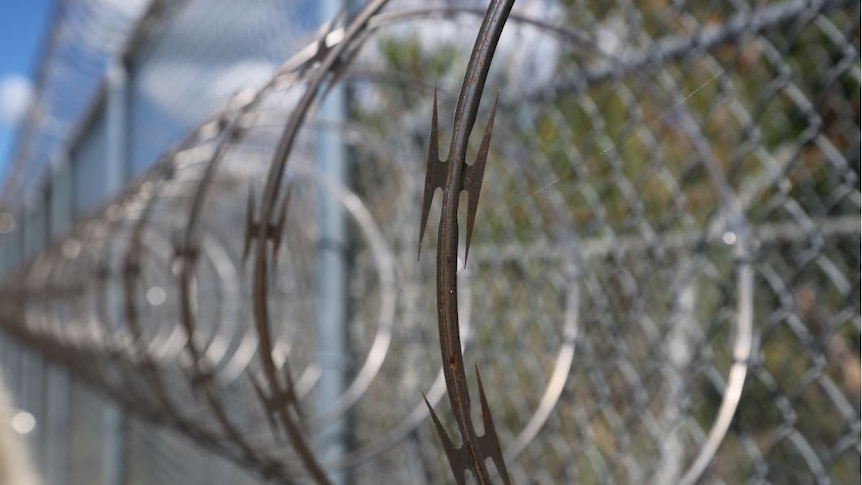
[58, 392]
[115, 150]
[60, 207]
[116, 112]
[333, 269]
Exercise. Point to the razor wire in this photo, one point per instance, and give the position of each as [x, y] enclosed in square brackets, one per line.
[663, 278]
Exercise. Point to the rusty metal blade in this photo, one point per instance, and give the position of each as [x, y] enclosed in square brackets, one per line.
[278, 230]
[435, 175]
[249, 226]
[490, 444]
[292, 400]
[473, 175]
[454, 455]
[266, 403]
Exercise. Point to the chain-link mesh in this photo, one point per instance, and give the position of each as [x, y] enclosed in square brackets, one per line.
[662, 287]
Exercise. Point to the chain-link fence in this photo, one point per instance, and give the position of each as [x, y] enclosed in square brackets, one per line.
[662, 284]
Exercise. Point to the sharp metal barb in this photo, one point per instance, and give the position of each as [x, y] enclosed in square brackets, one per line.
[435, 174]
[268, 408]
[340, 68]
[203, 373]
[279, 403]
[278, 229]
[249, 226]
[186, 253]
[489, 441]
[473, 175]
[274, 232]
[454, 455]
[197, 379]
[290, 397]
[321, 48]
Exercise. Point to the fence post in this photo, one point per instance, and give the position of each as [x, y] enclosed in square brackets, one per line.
[116, 107]
[333, 253]
[113, 444]
[58, 213]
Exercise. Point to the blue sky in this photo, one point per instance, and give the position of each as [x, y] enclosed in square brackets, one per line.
[22, 23]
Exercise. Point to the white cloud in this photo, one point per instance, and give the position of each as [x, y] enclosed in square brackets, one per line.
[15, 94]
